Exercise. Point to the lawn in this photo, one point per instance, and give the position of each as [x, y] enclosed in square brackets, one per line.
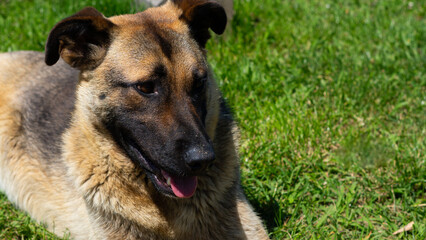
[330, 97]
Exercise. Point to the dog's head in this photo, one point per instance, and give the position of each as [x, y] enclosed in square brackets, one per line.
[145, 81]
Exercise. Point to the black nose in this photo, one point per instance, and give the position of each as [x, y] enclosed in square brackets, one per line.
[198, 158]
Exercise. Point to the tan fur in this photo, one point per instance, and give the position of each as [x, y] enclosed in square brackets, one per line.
[22, 177]
[93, 190]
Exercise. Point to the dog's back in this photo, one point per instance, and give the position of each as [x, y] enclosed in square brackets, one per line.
[44, 97]
[36, 102]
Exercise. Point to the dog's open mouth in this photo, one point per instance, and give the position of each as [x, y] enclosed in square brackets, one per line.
[182, 187]
[175, 186]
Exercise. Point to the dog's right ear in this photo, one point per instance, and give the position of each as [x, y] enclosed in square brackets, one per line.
[81, 40]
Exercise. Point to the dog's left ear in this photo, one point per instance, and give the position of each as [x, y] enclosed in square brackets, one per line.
[81, 40]
[202, 15]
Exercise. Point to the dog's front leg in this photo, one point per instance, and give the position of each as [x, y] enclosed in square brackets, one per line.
[252, 225]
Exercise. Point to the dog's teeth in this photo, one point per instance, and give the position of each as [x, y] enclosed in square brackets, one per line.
[169, 181]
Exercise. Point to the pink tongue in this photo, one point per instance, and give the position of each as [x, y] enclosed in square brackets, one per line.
[183, 187]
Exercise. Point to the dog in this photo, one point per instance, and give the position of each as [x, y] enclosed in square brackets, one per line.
[119, 130]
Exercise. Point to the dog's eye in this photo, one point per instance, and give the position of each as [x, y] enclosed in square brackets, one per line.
[199, 85]
[200, 79]
[146, 88]
[198, 89]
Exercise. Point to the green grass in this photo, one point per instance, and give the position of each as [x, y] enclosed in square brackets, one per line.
[331, 100]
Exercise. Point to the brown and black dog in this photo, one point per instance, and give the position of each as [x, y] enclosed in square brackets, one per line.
[134, 140]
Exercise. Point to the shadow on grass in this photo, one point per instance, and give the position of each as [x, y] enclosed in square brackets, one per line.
[269, 211]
